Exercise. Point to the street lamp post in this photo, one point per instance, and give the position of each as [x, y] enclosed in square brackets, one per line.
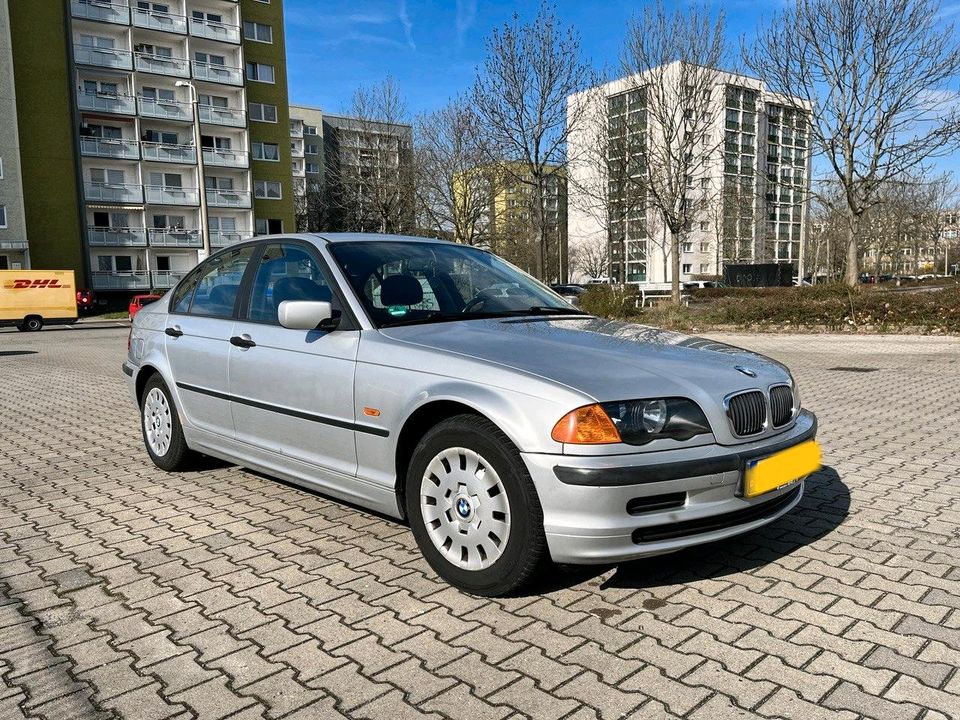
[204, 251]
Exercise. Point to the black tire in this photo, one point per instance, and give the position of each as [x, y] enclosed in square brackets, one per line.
[21, 327]
[32, 323]
[175, 455]
[525, 552]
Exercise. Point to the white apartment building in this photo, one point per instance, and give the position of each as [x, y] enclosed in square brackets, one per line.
[14, 250]
[154, 163]
[756, 176]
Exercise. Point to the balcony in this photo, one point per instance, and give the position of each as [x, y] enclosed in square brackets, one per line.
[296, 130]
[217, 157]
[164, 22]
[230, 117]
[128, 280]
[115, 148]
[222, 238]
[228, 198]
[100, 10]
[223, 32]
[164, 152]
[112, 192]
[175, 237]
[296, 150]
[14, 245]
[167, 195]
[107, 103]
[165, 109]
[163, 65]
[212, 72]
[116, 236]
[102, 57]
[165, 279]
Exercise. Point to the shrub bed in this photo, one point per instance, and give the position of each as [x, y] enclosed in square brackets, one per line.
[816, 308]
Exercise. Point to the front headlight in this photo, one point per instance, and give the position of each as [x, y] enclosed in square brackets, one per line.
[634, 422]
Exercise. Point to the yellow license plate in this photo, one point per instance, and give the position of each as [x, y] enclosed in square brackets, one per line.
[781, 468]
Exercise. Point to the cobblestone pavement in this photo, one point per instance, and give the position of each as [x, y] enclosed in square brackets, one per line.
[128, 592]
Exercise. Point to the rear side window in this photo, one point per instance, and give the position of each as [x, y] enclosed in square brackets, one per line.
[184, 294]
[219, 282]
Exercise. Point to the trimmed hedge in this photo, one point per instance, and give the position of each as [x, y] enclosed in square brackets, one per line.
[820, 307]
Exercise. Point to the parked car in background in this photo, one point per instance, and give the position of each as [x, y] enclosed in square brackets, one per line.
[435, 382]
[571, 292]
[84, 302]
[138, 302]
[29, 299]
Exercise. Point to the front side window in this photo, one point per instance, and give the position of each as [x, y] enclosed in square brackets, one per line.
[287, 272]
[414, 282]
[218, 283]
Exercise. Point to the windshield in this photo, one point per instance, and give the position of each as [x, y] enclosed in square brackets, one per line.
[407, 282]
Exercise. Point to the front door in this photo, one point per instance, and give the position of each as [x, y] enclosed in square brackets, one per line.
[292, 390]
[199, 328]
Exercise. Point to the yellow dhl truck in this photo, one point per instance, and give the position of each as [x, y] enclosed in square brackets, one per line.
[31, 298]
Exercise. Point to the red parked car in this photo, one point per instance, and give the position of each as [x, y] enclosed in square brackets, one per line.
[84, 301]
[138, 301]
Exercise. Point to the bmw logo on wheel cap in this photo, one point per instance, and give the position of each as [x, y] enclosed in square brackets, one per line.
[463, 507]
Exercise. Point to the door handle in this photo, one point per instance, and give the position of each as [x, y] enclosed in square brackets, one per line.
[242, 341]
[174, 331]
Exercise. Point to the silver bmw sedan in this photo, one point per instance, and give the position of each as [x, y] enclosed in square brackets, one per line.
[435, 382]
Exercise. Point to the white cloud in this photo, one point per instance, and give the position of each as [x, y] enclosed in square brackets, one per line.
[407, 24]
[466, 14]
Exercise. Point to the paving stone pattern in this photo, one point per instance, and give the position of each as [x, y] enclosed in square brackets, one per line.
[129, 592]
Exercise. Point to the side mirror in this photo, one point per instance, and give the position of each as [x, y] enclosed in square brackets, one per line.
[307, 315]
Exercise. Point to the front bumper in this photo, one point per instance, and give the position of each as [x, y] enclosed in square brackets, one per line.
[603, 509]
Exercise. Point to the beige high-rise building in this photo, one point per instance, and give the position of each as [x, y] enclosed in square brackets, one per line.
[757, 177]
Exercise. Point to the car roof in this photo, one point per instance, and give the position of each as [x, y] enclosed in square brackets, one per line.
[373, 237]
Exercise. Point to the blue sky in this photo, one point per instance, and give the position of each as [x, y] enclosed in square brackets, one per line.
[432, 47]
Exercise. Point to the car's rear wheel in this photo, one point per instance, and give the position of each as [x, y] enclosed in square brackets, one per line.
[473, 508]
[162, 432]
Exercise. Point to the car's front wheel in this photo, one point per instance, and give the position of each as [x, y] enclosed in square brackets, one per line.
[162, 432]
[473, 508]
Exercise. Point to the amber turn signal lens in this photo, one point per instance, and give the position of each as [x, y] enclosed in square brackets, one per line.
[587, 425]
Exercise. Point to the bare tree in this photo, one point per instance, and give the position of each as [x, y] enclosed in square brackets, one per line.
[370, 171]
[520, 95]
[875, 73]
[454, 176]
[671, 61]
[591, 257]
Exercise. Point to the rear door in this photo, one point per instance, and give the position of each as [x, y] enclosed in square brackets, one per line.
[293, 389]
[198, 332]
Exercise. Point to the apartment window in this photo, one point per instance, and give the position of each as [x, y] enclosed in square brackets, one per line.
[114, 263]
[214, 142]
[704, 247]
[262, 112]
[207, 17]
[223, 223]
[162, 94]
[259, 72]
[688, 247]
[161, 136]
[266, 151]
[102, 176]
[169, 222]
[687, 268]
[166, 180]
[312, 149]
[313, 167]
[704, 268]
[3, 216]
[211, 182]
[257, 31]
[269, 226]
[704, 225]
[309, 129]
[208, 59]
[267, 189]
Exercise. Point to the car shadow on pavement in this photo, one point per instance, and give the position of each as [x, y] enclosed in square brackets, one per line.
[824, 506]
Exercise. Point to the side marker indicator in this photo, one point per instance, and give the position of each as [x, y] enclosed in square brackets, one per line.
[371, 412]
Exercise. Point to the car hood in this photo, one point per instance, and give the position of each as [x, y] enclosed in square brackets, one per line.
[604, 359]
